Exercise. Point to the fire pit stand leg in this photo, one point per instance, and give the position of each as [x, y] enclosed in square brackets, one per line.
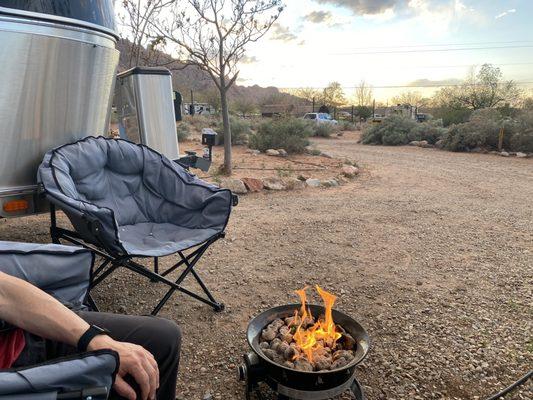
[357, 390]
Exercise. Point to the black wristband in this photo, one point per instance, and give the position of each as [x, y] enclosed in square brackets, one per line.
[89, 335]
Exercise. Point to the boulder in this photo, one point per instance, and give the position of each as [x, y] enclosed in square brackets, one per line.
[504, 154]
[330, 183]
[414, 143]
[313, 182]
[521, 155]
[253, 152]
[326, 155]
[350, 171]
[439, 144]
[294, 184]
[253, 184]
[273, 184]
[272, 152]
[283, 153]
[235, 185]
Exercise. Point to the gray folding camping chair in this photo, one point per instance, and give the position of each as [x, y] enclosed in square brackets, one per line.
[63, 272]
[127, 201]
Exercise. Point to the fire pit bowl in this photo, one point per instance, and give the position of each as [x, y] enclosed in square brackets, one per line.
[294, 384]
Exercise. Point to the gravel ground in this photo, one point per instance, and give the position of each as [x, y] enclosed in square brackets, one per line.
[431, 251]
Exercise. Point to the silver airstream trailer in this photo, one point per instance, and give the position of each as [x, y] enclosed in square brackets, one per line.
[59, 70]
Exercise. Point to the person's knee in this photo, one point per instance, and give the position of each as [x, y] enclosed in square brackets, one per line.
[168, 334]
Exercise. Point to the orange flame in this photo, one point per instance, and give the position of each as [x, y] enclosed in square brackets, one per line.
[313, 338]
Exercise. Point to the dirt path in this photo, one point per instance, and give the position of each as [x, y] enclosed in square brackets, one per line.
[432, 251]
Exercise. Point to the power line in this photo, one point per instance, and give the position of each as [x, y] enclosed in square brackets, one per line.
[408, 86]
[440, 44]
[459, 66]
[429, 50]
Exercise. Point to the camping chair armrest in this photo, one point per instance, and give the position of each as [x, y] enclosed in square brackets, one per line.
[94, 223]
[61, 271]
[81, 373]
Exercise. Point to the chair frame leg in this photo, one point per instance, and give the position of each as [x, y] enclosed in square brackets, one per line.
[110, 263]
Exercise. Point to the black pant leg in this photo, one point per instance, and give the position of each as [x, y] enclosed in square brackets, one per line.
[159, 336]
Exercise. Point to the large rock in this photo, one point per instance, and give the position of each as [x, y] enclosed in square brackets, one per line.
[350, 171]
[521, 155]
[330, 183]
[414, 143]
[253, 152]
[235, 185]
[504, 154]
[253, 184]
[439, 144]
[273, 184]
[272, 152]
[313, 182]
[326, 155]
[294, 184]
[283, 153]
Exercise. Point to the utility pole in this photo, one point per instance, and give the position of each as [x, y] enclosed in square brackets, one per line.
[353, 109]
[374, 108]
[313, 104]
[191, 107]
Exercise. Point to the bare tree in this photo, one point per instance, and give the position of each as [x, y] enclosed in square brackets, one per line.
[363, 94]
[413, 98]
[213, 35]
[136, 17]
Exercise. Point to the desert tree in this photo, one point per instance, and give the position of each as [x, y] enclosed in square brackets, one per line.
[214, 35]
[136, 18]
[363, 94]
[484, 89]
[333, 95]
[411, 97]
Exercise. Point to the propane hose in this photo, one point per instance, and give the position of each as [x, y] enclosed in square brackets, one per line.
[515, 385]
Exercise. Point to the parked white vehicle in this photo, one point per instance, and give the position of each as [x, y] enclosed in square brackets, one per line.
[320, 118]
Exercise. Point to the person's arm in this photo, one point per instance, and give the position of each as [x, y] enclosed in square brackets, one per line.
[27, 307]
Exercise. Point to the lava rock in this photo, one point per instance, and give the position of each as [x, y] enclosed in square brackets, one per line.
[303, 365]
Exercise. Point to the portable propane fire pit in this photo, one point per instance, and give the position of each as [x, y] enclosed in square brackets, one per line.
[303, 358]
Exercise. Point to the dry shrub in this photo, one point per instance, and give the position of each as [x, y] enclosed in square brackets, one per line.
[483, 130]
[398, 130]
[290, 134]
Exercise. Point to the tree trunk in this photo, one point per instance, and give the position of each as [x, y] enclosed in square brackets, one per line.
[227, 131]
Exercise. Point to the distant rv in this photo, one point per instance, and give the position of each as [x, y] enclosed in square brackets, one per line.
[199, 109]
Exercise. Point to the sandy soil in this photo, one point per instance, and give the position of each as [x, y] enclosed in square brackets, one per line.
[431, 251]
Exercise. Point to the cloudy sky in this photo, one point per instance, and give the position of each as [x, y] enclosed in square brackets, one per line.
[392, 43]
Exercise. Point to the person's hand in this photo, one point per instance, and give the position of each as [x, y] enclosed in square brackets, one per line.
[135, 361]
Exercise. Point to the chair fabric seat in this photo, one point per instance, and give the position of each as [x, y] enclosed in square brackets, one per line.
[156, 240]
[145, 204]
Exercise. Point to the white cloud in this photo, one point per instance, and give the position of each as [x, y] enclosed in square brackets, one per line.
[503, 14]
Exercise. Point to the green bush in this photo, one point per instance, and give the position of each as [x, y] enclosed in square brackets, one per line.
[240, 130]
[346, 126]
[450, 115]
[398, 130]
[323, 130]
[483, 130]
[392, 131]
[183, 131]
[290, 134]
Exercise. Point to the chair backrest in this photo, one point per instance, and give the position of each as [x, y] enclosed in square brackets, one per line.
[108, 173]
